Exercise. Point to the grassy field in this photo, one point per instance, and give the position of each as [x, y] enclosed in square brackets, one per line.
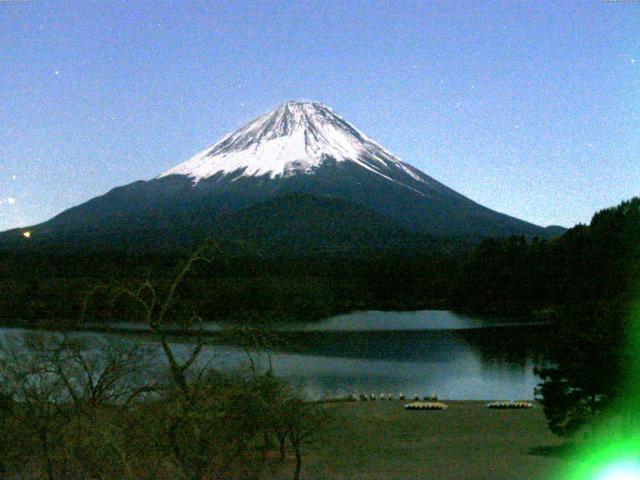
[380, 440]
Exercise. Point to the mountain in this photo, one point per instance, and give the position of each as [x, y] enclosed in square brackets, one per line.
[297, 224]
[300, 150]
[555, 230]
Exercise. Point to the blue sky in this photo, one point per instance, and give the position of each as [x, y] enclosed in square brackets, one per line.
[530, 108]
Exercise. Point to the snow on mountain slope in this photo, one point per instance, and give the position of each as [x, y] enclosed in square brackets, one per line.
[298, 149]
[296, 138]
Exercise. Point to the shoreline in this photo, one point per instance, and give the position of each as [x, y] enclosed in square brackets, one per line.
[231, 328]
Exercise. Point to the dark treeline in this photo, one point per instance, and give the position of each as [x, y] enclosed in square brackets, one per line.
[588, 264]
[503, 276]
[36, 287]
[588, 281]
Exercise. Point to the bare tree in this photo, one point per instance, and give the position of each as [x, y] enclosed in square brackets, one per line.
[209, 421]
[161, 311]
[157, 313]
[61, 381]
[40, 394]
[6, 411]
[305, 420]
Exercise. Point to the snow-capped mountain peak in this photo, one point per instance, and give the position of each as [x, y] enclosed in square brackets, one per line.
[291, 177]
[295, 138]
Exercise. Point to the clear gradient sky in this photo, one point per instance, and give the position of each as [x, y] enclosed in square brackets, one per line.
[531, 108]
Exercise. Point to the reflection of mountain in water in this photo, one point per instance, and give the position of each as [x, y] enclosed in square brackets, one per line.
[480, 363]
[486, 363]
[509, 345]
[513, 345]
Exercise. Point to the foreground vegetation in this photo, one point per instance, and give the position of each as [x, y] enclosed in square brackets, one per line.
[76, 408]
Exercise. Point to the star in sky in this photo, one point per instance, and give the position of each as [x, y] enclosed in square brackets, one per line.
[482, 60]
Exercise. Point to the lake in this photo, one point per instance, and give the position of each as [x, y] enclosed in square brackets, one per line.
[453, 356]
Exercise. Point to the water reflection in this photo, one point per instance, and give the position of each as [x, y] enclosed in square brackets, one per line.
[375, 320]
[473, 359]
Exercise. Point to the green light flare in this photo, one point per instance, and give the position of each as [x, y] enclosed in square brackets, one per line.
[617, 461]
[609, 448]
[620, 471]
[614, 450]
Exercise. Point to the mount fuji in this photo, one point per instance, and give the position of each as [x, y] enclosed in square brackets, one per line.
[299, 176]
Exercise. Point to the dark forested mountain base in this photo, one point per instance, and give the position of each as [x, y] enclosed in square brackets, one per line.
[592, 263]
[38, 287]
[267, 278]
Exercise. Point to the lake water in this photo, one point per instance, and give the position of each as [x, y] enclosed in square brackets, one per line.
[453, 356]
[374, 320]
